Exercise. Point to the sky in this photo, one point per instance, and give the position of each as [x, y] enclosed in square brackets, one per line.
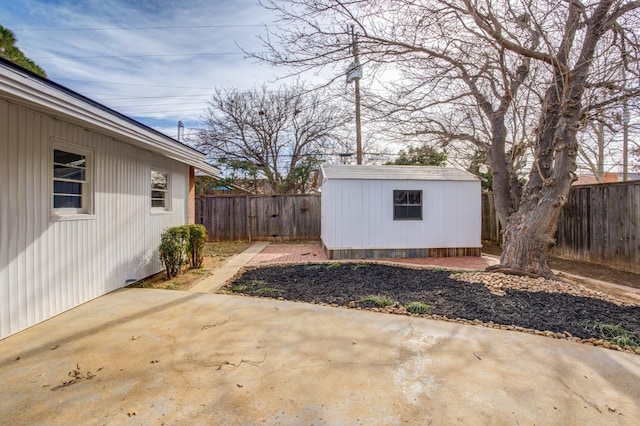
[156, 61]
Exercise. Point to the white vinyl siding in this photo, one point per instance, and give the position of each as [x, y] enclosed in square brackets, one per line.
[47, 267]
[358, 214]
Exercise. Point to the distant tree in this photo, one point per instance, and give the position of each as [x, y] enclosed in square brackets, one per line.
[423, 155]
[280, 134]
[635, 152]
[10, 52]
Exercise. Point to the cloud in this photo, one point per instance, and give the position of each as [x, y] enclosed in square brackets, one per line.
[157, 61]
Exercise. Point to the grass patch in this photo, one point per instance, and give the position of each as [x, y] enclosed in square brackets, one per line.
[267, 290]
[314, 267]
[418, 308]
[614, 334]
[258, 287]
[140, 284]
[225, 249]
[334, 265]
[360, 266]
[173, 284]
[377, 300]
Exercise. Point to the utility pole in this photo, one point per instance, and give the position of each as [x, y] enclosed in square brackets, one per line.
[355, 74]
[625, 126]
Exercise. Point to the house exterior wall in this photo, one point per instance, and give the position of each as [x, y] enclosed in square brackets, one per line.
[49, 266]
[358, 214]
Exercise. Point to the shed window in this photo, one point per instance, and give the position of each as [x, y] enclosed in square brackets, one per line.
[160, 195]
[72, 190]
[407, 205]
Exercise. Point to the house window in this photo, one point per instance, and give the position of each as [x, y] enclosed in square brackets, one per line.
[72, 190]
[407, 205]
[160, 196]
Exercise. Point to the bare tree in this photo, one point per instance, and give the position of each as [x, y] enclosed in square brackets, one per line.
[598, 149]
[504, 77]
[280, 134]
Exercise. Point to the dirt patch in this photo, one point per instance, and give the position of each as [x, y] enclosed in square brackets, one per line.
[214, 255]
[585, 269]
[348, 284]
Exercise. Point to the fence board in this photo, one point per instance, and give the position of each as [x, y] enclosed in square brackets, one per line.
[599, 223]
[268, 217]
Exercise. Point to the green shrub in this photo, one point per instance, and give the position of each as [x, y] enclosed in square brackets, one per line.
[173, 244]
[195, 245]
[418, 308]
[182, 244]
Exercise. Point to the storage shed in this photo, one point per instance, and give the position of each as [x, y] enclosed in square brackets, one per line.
[399, 211]
[85, 193]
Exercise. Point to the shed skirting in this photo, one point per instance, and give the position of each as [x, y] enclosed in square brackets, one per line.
[339, 254]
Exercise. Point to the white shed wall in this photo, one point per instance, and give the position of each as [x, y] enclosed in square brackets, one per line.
[358, 214]
[47, 267]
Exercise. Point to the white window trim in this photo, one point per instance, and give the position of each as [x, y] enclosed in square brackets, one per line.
[87, 211]
[167, 208]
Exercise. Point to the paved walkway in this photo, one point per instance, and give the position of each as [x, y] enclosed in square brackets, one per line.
[228, 269]
[285, 253]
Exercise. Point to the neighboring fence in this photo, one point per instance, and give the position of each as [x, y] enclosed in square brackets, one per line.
[599, 223]
[264, 217]
[490, 223]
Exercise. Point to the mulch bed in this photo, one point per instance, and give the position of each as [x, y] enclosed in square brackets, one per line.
[347, 283]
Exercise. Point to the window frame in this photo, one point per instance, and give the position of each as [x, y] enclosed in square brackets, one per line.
[167, 198]
[87, 191]
[407, 205]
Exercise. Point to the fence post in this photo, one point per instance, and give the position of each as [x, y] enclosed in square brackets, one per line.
[248, 219]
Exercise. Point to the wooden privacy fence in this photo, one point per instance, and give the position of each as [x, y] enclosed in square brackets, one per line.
[262, 217]
[599, 223]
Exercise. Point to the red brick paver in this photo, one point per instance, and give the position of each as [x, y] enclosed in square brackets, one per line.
[285, 253]
[279, 253]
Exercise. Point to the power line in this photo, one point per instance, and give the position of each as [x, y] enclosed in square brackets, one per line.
[162, 104]
[154, 97]
[148, 28]
[132, 84]
[138, 56]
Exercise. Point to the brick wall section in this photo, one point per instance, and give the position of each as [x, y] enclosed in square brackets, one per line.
[191, 216]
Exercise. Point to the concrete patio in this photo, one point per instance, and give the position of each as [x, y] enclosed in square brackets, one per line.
[145, 356]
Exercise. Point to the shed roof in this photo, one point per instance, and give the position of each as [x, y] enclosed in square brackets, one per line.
[27, 88]
[395, 173]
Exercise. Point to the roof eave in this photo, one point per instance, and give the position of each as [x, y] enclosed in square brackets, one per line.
[25, 88]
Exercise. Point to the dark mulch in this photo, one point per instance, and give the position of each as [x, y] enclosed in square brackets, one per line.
[331, 284]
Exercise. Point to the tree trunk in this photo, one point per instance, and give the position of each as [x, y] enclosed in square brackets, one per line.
[527, 240]
[530, 232]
